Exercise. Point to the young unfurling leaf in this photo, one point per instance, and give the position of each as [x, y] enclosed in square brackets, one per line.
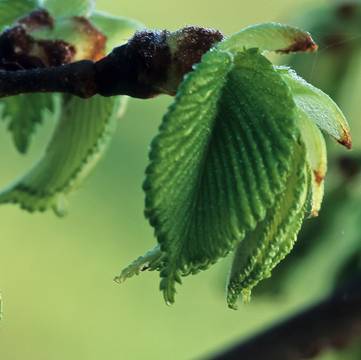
[273, 238]
[234, 164]
[225, 138]
[316, 157]
[23, 113]
[84, 128]
[79, 141]
[318, 107]
[270, 37]
[152, 260]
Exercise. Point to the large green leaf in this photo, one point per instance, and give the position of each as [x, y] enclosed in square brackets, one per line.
[11, 10]
[221, 158]
[66, 8]
[273, 238]
[24, 113]
[318, 107]
[79, 141]
[117, 29]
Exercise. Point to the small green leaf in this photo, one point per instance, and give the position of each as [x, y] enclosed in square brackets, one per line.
[117, 29]
[220, 160]
[11, 10]
[269, 37]
[79, 141]
[151, 261]
[316, 158]
[24, 113]
[273, 239]
[318, 107]
[67, 8]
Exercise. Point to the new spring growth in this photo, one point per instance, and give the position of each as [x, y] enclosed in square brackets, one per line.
[149, 64]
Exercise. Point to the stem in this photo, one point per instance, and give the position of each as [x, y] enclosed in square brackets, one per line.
[331, 323]
[77, 78]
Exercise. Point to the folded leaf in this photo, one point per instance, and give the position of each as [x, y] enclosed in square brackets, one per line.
[220, 160]
[66, 8]
[117, 29]
[316, 158]
[79, 141]
[24, 113]
[318, 107]
[11, 10]
[270, 37]
[273, 238]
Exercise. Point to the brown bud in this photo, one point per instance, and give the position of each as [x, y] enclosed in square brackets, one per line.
[19, 50]
[154, 62]
[188, 45]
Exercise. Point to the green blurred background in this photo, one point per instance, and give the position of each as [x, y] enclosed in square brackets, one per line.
[56, 274]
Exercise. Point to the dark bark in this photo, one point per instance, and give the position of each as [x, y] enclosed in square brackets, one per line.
[77, 78]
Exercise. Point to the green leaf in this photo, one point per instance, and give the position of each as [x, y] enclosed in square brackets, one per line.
[117, 29]
[67, 8]
[318, 107]
[151, 261]
[78, 143]
[269, 37]
[221, 158]
[273, 239]
[24, 113]
[11, 10]
[316, 158]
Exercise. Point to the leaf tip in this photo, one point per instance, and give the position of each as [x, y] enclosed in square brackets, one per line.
[119, 279]
[314, 213]
[346, 140]
[232, 306]
[302, 43]
[232, 298]
[246, 296]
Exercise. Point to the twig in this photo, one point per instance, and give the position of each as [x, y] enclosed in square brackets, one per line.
[77, 78]
[151, 63]
[332, 323]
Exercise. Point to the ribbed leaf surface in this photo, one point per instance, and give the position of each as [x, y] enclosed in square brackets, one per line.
[11, 10]
[79, 141]
[220, 160]
[273, 238]
[24, 113]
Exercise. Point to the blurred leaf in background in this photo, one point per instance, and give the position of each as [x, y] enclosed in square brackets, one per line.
[84, 128]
